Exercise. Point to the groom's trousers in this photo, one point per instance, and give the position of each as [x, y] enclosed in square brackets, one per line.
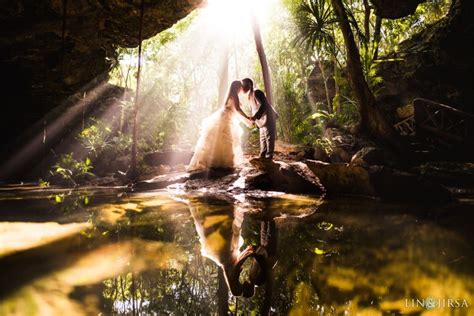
[267, 141]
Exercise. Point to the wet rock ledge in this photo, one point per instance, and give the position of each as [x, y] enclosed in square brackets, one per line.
[309, 177]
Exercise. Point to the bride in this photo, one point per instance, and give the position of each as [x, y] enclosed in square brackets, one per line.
[219, 144]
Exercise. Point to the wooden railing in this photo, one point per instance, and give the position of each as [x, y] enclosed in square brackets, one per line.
[406, 126]
[448, 124]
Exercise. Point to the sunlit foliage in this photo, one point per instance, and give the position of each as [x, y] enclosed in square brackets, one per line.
[184, 66]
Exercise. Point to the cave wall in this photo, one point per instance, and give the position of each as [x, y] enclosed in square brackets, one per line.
[394, 9]
[40, 70]
[435, 64]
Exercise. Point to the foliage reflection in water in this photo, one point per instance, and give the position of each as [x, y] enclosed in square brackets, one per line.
[158, 253]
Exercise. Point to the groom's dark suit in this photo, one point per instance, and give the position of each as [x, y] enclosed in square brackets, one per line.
[265, 118]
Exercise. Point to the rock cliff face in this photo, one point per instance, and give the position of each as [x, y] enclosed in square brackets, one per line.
[394, 9]
[50, 49]
[316, 87]
[436, 64]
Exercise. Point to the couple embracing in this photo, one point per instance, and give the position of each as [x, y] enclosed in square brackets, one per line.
[219, 144]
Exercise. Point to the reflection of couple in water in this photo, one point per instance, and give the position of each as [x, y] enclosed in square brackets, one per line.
[219, 228]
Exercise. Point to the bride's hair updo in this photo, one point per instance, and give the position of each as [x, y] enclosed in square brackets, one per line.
[247, 85]
[233, 93]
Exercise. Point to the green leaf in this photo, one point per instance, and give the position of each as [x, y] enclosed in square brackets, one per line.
[86, 200]
[58, 198]
[319, 251]
[325, 226]
[318, 115]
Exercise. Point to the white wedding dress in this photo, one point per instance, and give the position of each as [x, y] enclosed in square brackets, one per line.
[219, 144]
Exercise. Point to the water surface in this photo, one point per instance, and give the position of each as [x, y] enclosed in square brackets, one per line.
[160, 253]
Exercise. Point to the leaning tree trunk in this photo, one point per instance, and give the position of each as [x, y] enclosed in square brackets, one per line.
[372, 120]
[263, 60]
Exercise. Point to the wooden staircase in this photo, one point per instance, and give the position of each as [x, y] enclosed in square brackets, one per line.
[439, 130]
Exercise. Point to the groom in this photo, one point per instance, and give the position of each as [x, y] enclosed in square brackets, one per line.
[264, 116]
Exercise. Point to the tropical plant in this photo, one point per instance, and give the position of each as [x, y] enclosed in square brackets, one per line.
[316, 21]
[96, 137]
[72, 170]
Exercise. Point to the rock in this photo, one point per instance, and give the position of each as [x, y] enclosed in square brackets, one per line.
[433, 64]
[119, 164]
[342, 178]
[343, 144]
[396, 185]
[214, 179]
[316, 87]
[280, 176]
[291, 151]
[377, 181]
[169, 157]
[368, 156]
[45, 70]
[320, 154]
[294, 152]
[181, 167]
[162, 181]
[105, 181]
[394, 9]
[163, 169]
[405, 111]
[454, 174]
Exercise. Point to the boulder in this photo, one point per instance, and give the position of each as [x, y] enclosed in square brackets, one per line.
[271, 175]
[343, 144]
[161, 182]
[368, 156]
[377, 181]
[320, 154]
[342, 178]
[293, 152]
[214, 179]
[395, 185]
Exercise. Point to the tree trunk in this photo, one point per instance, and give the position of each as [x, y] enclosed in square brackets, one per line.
[263, 60]
[372, 121]
[336, 86]
[133, 161]
[222, 293]
[367, 22]
[378, 26]
[326, 89]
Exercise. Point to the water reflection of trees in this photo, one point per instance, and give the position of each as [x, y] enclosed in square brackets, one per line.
[192, 288]
[329, 263]
[199, 285]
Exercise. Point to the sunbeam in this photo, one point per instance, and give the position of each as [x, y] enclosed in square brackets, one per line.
[189, 74]
[47, 131]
